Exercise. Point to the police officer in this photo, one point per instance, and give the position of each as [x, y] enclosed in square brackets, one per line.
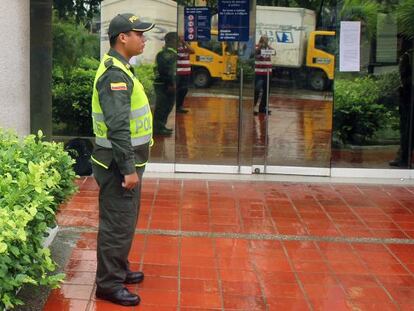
[122, 124]
[164, 83]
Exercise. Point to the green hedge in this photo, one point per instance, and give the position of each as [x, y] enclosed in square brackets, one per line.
[364, 105]
[145, 74]
[71, 99]
[248, 70]
[36, 176]
[72, 96]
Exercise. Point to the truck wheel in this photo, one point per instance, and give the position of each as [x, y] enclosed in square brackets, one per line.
[201, 78]
[318, 81]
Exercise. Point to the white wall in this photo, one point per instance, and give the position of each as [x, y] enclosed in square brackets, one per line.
[15, 65]
[162, 12]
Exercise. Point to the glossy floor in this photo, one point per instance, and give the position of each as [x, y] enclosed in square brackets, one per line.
[234, 245]
[298, 133]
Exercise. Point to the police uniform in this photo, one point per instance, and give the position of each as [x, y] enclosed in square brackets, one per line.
[122, 124]
[164, 86]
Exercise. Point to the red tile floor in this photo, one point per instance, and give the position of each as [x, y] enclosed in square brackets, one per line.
[237, 245]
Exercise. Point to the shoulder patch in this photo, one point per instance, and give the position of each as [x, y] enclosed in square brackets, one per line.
[109, 62]
[119, 86]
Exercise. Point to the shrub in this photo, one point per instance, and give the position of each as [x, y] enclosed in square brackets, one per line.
[72, 97]
[248, 70]
[71, 43]
[75, 51]
[145, 74]
[36, 176]
[388, 84]
[362, 106]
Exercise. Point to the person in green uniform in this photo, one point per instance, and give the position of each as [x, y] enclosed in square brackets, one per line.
[164, 83]
[122, 124]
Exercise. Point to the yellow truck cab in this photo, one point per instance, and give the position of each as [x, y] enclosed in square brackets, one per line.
[213, 59]
[319, 60]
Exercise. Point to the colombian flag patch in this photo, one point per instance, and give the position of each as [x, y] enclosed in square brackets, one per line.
[119, 86]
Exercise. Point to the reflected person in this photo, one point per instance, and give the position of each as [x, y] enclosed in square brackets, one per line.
[164, 83]
[263, 68]
[183, 72]
[405, 103]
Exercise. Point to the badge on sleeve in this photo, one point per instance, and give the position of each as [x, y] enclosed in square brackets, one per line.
[119, 86]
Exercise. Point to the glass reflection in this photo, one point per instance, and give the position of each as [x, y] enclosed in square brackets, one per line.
[297, 129]
[209, 133]
[164, 15]
[373, 107]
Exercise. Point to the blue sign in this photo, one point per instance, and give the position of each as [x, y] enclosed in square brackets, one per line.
[284, 37]
[233, 20]
[197, 24]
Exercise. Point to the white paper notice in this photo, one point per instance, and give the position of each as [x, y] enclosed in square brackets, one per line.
[349, 46]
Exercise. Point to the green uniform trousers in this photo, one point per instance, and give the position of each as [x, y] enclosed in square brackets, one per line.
[118, 215]
[164, 103]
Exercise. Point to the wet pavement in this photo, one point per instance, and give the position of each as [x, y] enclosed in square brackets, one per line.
[253, 245]
[297, 133]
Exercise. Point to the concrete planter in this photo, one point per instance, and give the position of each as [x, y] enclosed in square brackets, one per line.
[51, 236]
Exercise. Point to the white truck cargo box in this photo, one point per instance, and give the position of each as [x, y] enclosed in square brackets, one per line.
[162, 12]
[287, 30]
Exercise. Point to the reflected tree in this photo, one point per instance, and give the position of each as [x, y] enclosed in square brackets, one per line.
[82, 10]
[365, 11]
[405, 17]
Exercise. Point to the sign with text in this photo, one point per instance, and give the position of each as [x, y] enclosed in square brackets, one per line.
[350, 46]
[233, 20]
[197, 24]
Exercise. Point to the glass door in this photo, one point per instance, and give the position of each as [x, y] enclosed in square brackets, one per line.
[292, 122]
[210, 133]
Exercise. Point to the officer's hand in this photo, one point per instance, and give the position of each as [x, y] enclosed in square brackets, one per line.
[130, 181]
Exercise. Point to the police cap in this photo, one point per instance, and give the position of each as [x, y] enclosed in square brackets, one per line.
[127, 22]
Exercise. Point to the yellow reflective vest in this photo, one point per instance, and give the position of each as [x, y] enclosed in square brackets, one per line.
[140, 118]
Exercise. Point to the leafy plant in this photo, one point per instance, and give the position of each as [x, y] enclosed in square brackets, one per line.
[248, 69]
[81, 10]
[405, 13]
[362, 106]
[72, 96]
[36, 176]
[365, 11]
[145, 74]
[72, 43]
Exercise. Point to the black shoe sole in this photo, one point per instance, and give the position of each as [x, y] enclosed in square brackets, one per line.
[118, 302]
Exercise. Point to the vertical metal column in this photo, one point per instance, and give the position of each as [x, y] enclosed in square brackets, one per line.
[266, 145]
[239, 143]
[411, 120]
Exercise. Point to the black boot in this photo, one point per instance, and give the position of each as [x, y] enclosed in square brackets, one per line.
[134, 277]
[121, 297]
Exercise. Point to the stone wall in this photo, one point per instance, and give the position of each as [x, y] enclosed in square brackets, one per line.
[15, 65]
